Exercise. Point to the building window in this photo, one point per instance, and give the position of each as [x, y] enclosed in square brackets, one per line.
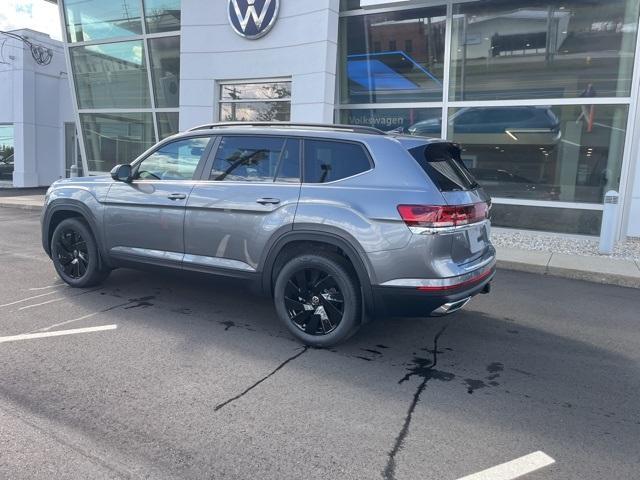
[6, 153]
[162, 15]
[111, 75]
[569, 153]
[408, 46]
[164, 53]
[90, 20]
[370, 76]
[263, 102]
[115, 138]
[168, 123]
[531, 49]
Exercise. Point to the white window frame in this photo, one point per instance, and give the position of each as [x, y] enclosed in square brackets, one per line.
[220, 84]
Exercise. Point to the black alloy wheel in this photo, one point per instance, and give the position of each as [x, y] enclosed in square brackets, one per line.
[317, 296]
[73, 253]
[314, 301]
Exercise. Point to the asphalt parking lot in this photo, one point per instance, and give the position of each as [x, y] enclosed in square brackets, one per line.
[163, 376]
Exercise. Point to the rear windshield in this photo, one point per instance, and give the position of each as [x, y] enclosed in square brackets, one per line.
[442, 162]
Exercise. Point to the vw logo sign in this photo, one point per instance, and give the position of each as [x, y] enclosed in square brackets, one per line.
[253, 19]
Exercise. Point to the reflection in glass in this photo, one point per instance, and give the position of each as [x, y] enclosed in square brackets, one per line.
[6, 152]
[548, 219]
[174, 161]
[569, 153]
[112, 75]
[405, 120]
[255, 102]
[164, 54]
[162, 15]
[375, 64]
[255, 91]
[115, 138]
[168, 124]
[247, 159]
[255, 112]
[89, 20]
[552, 49]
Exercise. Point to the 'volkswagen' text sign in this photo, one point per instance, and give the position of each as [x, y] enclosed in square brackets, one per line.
[253, 19]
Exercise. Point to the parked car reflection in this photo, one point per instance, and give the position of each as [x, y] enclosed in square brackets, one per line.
[504, 184]
[6, 168]
[498, 125]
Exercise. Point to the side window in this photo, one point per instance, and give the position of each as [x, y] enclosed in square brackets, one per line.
[289, 167]
[174, 161]
[326, 161]
[248, 159]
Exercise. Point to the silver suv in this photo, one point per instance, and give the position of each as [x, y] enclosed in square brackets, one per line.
[339, 224]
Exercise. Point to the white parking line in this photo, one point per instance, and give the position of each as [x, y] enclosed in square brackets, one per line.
[46, 329]
[27, 299]
[37, 289]
[43, 303]
[515, 468]
[60, 333]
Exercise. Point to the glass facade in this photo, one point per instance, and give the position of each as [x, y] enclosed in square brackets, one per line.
[125, 60]
[394, 56]
[537, 92]
[388, 119]
[115, 138]
[111, 75]
[6, 152]
[92, 20]
[534, 49]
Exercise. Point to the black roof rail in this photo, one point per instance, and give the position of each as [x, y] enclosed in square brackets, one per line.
[321, 126]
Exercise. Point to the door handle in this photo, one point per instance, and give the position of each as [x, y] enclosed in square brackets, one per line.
[177, 196]
[268, 201]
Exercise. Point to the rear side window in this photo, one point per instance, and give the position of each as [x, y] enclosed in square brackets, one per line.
[257, 159]
[443, 165]
[327, 161]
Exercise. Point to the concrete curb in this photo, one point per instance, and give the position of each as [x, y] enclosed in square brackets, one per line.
[21, 206]
[620, 280]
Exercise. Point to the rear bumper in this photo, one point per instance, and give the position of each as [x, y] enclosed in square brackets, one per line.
[416, 301]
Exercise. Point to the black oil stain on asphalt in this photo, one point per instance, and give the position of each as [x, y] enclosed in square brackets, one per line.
[375, 352]
[142, 302]
[473, 385]
[494, 369]
[382, 346]
[426, 369]
[363, 358]
[277, 369]
[228, 325]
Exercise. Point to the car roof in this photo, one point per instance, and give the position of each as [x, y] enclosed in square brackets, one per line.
[332, 132]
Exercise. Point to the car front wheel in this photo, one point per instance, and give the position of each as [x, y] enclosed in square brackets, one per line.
[75, 254]
[318, 299]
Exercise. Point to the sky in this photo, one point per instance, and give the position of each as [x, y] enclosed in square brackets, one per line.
[34, 14]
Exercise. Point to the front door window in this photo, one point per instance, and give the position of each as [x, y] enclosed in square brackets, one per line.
[174, 161]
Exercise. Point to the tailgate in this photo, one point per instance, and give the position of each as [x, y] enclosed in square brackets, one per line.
[471, 242]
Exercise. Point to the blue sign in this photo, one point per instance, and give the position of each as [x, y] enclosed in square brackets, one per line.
[253, 19]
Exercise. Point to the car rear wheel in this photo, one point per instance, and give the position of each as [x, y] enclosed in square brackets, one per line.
[318, 299]
[75, 254]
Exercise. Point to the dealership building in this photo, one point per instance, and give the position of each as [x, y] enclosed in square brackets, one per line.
[542, 95]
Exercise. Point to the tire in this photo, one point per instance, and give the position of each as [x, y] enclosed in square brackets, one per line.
[318, 299]
[75, 254]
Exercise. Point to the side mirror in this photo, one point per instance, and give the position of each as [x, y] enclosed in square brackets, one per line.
[122, 173]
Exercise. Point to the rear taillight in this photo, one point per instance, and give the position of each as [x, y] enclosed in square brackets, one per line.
[443, 216]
